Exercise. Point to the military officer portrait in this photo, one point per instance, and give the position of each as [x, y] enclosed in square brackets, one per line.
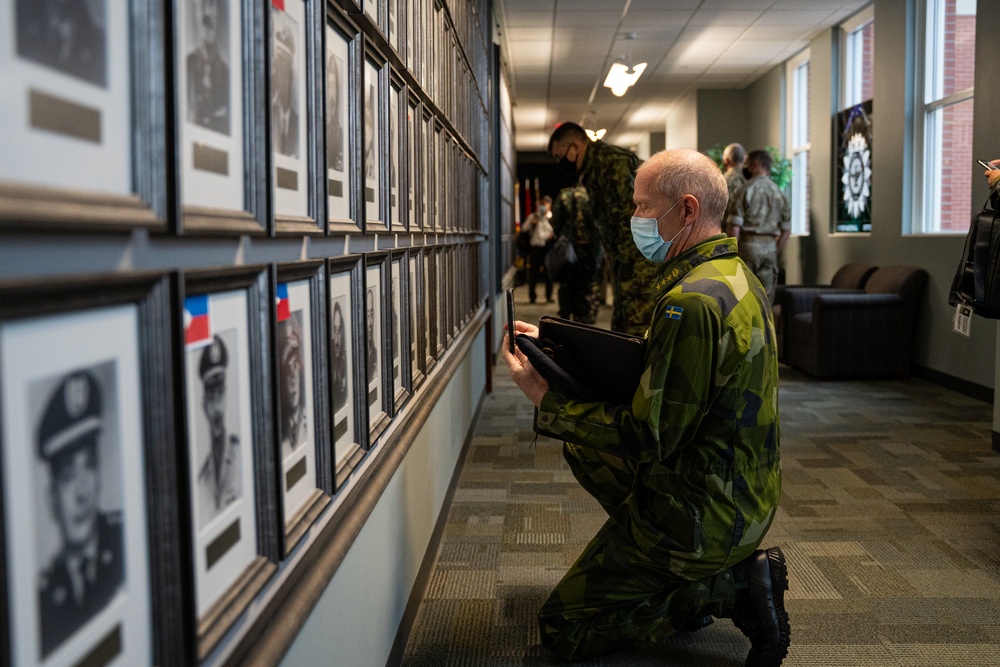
[88, 568]
[284, 86]
[292, 384]
[207, 65]
[339, 336]
[66, 35]
[218, 454]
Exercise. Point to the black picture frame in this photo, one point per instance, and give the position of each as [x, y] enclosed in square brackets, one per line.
[345, 324]
[375, 112]
[297, 70]
[434, 346]
[69, 329]
[67, 116]
[411, 160]
[416, 316]
[230, 507]
[396, 128]
[300, 397]
[343, 111]
[213, 196]
[378, 382]
[400, 375]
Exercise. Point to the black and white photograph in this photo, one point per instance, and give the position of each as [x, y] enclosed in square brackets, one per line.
[371, 7]
[372, 139]
[412, 154]
[339, 189]
[398, 331]
[73, 77]
[300, 412]
[416, 328]
[345, 358]
[65, 35]
[220, 436]
[377, 382]
[213, 152]
[291, 117]
[75, 497]
[394, 144]
[206, 65]
[429, 324]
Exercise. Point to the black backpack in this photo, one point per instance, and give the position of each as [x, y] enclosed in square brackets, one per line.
[977, 280]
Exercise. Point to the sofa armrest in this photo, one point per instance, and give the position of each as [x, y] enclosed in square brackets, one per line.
[857, 301]
[800, 298]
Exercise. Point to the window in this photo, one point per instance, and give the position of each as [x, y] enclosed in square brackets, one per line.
[944, 116]
[858, 41]
[798, 139]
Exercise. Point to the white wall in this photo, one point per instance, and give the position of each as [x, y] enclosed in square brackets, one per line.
[356, 620]
[682, 122]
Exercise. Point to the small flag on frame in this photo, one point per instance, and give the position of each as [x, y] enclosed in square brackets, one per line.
[281, 303]
[197, 322]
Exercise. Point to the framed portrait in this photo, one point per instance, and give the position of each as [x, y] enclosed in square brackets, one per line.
[295, 110]
[342, 181]
[302, 431]
[82, 85]
[346, 353]
[416, 313]
[442, 289]
[428, 201]
[432, 305]
[411, 156]
[373, 10]
[399, 329]
[88, 569]
[374, 163]
[392, 24]
[440, 205]
[852, 173]
[396, 127]
[450, 293]
[222, 130]
[377, 349]
[227, 444]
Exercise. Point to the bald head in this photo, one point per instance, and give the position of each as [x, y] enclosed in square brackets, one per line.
[733, 156]
[675, 173]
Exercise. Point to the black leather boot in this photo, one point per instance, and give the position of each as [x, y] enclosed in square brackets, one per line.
[759, 612]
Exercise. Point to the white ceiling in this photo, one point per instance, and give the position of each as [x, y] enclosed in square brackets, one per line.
[559, 52]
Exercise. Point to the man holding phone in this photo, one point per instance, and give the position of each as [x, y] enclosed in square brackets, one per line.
[992, 172]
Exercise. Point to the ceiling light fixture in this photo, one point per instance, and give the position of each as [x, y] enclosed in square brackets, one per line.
[623, 74]
[596, 134]
[590, 126]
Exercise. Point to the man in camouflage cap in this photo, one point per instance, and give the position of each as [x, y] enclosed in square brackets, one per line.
[580, 284]
[89, 568]
[219, 475]
[608, 173]
[758, 217]
[689, 472]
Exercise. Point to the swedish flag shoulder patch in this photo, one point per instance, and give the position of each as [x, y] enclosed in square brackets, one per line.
[673, 312]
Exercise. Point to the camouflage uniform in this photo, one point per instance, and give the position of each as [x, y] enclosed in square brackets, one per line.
[689, 473]
[608, 173]
[734, 179]
[761, 210]
[580, 288]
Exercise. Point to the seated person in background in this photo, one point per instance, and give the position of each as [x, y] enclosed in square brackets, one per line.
[689, 472]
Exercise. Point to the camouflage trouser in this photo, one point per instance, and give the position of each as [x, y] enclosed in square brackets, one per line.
[614, 596]
[761, 254]
[580, 292]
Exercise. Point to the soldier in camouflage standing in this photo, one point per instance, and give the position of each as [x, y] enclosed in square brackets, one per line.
[689, 472]
[608, 173]
[759, 219]
[580, 286]
[733, 157]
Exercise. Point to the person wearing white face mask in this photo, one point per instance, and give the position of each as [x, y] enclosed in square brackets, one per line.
[689, 471]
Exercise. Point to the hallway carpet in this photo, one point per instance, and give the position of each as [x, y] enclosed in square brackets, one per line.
[889, 520]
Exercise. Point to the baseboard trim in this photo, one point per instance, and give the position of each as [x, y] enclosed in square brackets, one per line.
[964, 387]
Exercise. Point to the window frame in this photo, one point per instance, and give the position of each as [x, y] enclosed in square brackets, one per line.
[797, 133]
[927, 180]
[850, 58]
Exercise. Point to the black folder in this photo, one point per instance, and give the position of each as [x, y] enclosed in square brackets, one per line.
[586, 362]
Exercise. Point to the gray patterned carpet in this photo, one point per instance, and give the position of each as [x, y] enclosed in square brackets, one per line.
[888, 519]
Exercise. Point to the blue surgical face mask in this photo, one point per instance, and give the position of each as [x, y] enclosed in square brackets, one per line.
[647, 237]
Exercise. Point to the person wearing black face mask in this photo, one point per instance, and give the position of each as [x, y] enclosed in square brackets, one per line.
[608, 173]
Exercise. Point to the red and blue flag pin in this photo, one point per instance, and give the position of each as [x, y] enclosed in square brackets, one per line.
[197, 322]
[281, 303]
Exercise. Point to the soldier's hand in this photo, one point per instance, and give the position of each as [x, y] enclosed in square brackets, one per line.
[521, 371]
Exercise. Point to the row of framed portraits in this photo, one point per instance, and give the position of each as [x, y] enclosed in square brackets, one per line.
[169, 439]
[283, 117]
